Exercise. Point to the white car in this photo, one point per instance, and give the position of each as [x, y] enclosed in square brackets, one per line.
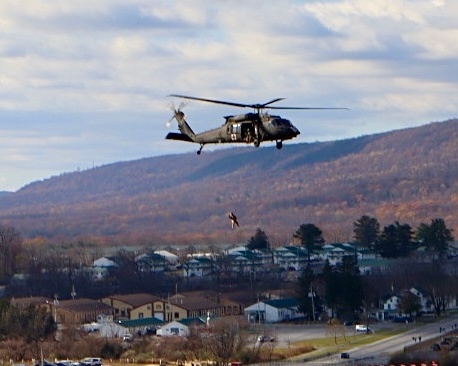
[362, 328]
[91, 361]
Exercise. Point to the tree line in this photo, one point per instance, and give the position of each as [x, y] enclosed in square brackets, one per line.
[346, 291]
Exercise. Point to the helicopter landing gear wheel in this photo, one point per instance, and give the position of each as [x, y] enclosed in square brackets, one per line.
[200, 150]
[256, 142]
[279, 144]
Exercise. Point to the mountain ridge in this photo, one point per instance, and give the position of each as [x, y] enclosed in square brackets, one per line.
[407, 175]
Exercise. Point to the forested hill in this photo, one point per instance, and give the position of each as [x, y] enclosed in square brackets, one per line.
[410, 176]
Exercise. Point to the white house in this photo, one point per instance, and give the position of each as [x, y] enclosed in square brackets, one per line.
[273, 311]
[100, 268]
[391, 304]
[104, 262]
[174, 328]
[179, 327]
[172, 259]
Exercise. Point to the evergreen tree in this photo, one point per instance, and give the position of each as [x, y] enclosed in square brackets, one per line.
[311, 237]
[366, 231]
[395, 241]
[436, 237]
[258, 241]
[343, 286]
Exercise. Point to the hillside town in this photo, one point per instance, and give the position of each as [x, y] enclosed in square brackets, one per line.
[144, 299]
[136, 314]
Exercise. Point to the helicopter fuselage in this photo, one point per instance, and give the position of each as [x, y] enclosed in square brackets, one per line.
[249, 128]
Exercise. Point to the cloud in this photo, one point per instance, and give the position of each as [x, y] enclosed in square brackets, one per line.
[89, 79]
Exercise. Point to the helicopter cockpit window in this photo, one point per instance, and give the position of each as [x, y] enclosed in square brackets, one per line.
[283, 122]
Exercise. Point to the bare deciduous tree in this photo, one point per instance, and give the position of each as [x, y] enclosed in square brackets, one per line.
[225, 338]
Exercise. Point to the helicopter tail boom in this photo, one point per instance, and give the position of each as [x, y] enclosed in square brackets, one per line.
[178, 137]
[187, 134]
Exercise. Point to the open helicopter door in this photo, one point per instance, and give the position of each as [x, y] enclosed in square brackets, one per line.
[235, 131]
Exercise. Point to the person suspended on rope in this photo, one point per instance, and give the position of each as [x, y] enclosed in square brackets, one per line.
[233, 218]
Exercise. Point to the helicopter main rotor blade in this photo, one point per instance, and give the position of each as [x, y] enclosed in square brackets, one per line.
[306, 108]
[242, 105]
[257, 107]
[211, 100]
[265, 105]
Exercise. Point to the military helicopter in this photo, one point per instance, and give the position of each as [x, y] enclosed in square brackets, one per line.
[242, 128]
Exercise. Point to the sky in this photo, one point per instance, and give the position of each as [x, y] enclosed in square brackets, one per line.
[86, 83]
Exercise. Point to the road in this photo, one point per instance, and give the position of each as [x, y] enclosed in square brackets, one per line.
[376, 352]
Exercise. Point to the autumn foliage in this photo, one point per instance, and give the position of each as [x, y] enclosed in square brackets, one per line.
[408, 176]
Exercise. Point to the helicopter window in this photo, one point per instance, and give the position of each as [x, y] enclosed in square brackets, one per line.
[236, 128]
[283, 122]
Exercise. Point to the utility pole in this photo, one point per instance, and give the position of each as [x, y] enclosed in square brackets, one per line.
[56, 303]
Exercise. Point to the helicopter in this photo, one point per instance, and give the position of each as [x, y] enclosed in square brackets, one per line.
[253, 127]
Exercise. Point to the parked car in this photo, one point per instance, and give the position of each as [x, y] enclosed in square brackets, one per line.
[91, 361]
[344, 355]
[264, 338]
[362, 328]
[127, 338]
[66, 363]
[44, 363]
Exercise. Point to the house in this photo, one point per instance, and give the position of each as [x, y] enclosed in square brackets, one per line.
[105, 327]
[36, 301]
[334, 253]
[151, 263]
[392, 303]
[181, 307]
[179, 327]
[105, 262]
[136, 306]
[101, 268]
[390, 307]
[197, 267]
[173, 261]
[232, 303]
[273, 311]
[246, 261]
[422, 298]
[290, 257]
[79, 311]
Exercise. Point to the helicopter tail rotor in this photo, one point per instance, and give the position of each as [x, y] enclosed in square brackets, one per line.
[177, 113]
